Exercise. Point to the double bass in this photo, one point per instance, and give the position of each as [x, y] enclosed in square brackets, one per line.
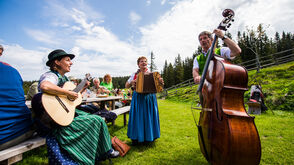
[227, 135]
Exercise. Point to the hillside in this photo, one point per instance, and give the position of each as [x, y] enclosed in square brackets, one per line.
[277, 84]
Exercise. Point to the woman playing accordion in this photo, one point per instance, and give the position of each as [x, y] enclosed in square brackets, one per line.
[144, 118]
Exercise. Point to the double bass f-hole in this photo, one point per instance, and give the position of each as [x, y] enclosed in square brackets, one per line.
[218, 112]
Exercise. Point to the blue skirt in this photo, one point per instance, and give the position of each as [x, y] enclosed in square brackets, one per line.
[144, 118]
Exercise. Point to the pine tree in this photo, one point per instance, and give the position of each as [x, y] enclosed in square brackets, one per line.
[165, 72]
[188, 66]
[152, 63]
[170, 76]
[179, 70]
[278, 42]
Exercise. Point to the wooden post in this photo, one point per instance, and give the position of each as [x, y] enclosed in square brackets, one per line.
[254, 108]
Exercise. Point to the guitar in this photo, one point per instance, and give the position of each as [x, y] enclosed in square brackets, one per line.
[60, 108]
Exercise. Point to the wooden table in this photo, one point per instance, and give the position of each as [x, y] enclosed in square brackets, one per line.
[124, 110]
[90, 100]
[103, 100]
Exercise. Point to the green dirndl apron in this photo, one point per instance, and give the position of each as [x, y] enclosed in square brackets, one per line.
[85, 139]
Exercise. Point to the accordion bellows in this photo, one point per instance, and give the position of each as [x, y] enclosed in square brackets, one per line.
[148, 83]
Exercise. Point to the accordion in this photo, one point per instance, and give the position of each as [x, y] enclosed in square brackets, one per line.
[148, 83]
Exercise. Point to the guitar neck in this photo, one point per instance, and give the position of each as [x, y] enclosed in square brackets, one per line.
[80, 86]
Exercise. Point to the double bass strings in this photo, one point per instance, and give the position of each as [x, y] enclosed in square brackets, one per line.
[195, 107]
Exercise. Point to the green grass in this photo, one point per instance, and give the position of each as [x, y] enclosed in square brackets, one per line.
[178, 143]
[277, 137]
[277, 84]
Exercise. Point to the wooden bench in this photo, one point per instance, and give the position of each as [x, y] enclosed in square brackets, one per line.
[254, 108]
[123, 110]
[14, 154]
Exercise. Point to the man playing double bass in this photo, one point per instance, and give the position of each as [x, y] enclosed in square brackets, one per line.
[205, 38]
[227, 135]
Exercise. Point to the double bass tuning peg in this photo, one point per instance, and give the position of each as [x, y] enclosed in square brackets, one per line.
[229, 25]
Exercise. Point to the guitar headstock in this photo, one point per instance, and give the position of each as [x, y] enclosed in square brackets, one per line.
[88, 76]
[226, 22]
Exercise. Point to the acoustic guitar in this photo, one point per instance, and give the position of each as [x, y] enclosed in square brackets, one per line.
[60, 108]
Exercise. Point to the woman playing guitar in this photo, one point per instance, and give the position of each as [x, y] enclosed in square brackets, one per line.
[84, 137]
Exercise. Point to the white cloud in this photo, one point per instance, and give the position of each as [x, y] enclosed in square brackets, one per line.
[134, 17]
[176, 31]
[99, 51]
[30, 63]
[163, 2]
[80, 18]
[62, 11]
[148, 2]
[45, 37]
[102, 52]
[277, 14]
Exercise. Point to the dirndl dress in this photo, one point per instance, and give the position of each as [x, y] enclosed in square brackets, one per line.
[144, 118]
[85, 139]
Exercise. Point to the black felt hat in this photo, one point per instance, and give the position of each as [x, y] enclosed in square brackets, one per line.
[57, 53]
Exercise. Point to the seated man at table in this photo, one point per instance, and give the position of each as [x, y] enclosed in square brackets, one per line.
[97, 89]
[15, 117]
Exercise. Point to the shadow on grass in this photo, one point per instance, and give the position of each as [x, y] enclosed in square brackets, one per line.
[194, 157]
[115, 128]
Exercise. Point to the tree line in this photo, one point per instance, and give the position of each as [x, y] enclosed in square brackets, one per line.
[118, 82]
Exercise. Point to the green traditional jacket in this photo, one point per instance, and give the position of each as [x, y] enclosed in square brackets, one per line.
[201, 59]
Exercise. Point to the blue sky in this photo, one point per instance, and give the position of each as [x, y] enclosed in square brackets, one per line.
[107, 36]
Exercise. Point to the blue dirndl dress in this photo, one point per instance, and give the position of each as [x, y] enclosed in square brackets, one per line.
[144, 118]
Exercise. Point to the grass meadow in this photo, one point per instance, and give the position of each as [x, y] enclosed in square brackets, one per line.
[178, 143]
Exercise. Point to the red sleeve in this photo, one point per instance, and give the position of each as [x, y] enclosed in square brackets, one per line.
[5, 63]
